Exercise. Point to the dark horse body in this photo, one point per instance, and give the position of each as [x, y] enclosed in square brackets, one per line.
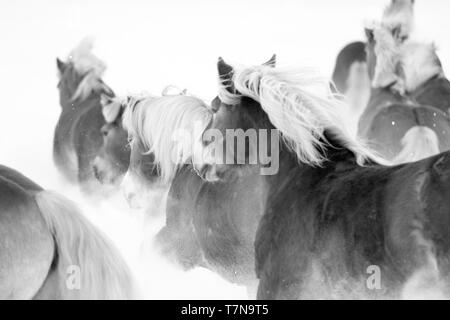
[334, 222]
[78, 135]
[207, 224]
[325, 227]
[43, 236]
[213, 224]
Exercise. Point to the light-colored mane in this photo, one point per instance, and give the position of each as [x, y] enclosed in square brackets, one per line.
[420, 63]
[301, 106]
[409, 64]
[389, 55]
[160, 122]
[90, 67]
[399, 15]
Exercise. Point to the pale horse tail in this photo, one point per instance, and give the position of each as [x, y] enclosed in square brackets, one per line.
[418, 143]
[87, 265]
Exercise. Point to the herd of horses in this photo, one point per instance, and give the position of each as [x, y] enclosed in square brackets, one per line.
[362, 180]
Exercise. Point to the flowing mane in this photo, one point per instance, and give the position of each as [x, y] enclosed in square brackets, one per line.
[420, 63]
[399, 16]
[90, 67]
[410, 64]
[301, 106]
[389, 54]
[159, 123]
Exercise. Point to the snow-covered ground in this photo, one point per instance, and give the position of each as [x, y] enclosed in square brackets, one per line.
[148, 45]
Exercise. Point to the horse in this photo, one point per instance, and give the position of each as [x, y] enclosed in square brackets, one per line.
[350, 75]
[113, 158]
[78, 136]
[400, 128]
[212, 225]
[112, 164]
[48, 250]
[337, 221]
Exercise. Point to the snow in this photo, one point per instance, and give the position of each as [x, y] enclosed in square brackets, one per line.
[148, 45]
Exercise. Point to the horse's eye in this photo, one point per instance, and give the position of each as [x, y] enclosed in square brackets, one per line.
[104, 132]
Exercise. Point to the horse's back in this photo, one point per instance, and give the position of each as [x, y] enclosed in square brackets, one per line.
[10, 174]
[26, 244]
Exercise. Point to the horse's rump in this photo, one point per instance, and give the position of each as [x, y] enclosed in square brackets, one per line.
[26, 244]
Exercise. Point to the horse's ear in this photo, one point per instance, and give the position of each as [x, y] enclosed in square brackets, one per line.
[369, 35]
[224, 69]
[226, 73]
[61, 65]
[272, 61]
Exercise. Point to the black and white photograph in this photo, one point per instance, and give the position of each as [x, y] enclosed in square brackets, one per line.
[245, 151]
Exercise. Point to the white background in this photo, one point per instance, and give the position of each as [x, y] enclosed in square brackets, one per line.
[150, 44]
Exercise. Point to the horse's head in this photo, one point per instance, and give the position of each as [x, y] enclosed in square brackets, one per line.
[261, 109]
[235, 132]
[142, 175]
[113, 158]
[142, 172]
